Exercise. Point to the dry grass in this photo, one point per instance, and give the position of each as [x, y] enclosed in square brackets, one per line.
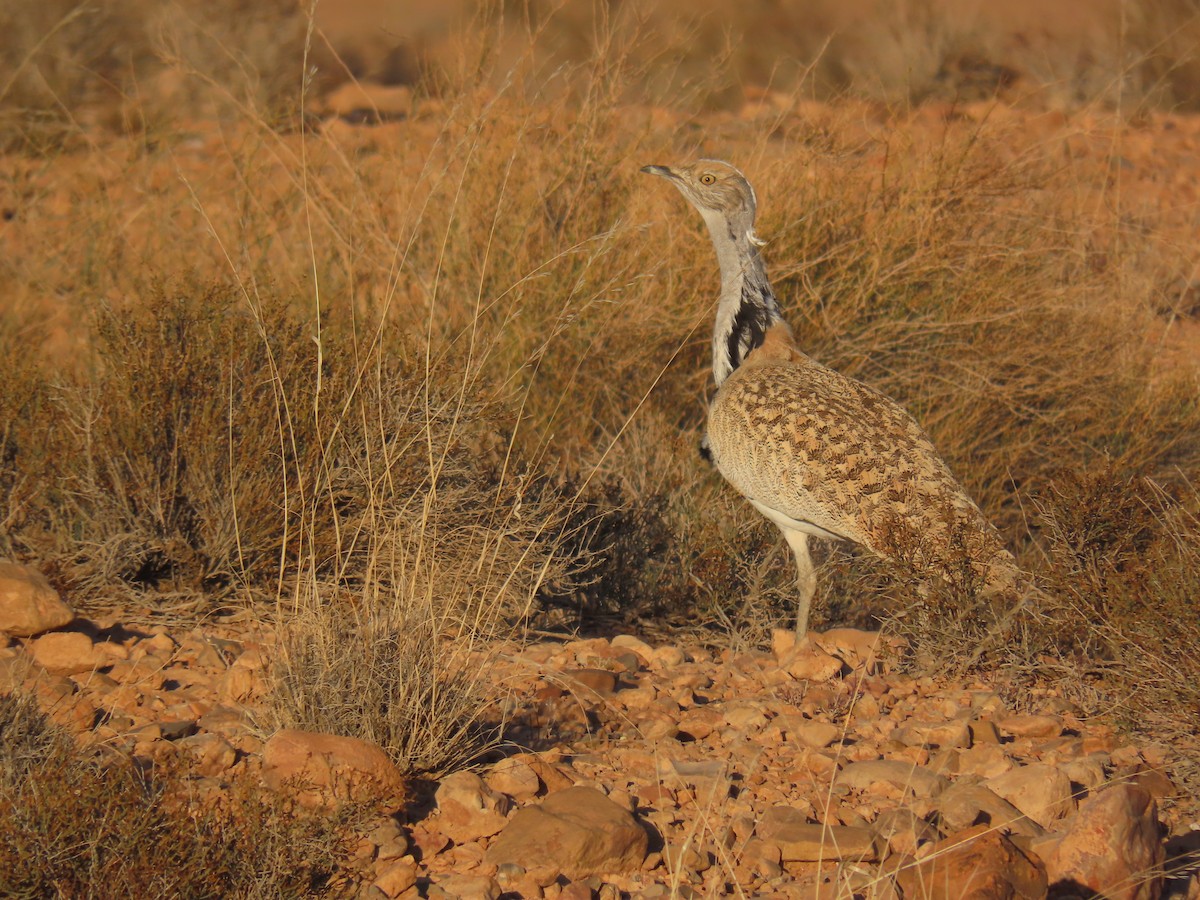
[443, 371]
[73, 825]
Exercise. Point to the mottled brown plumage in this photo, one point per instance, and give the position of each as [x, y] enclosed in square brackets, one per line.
[816, 452]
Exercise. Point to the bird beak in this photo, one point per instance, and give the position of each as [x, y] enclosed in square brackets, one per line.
[659, 170]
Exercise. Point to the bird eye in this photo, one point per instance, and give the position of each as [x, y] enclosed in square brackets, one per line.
[708, 178]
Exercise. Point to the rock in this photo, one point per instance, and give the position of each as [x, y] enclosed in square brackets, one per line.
[578, 830]
[466, 887]
[906, 776]
[324, 770]
[808, 662]
[213, 754]
[1112, 846]
[28, 604]
[963, 805]
[816, 735]
[856, 648]
[598, 681]
[799, 841]
[1031, 726]
[984, 731]
[66, 653]
[903, 830]
[637, 645]
[744, 715]
[1040, 791]
[396, 878]
[514, 777]
[956, 733]
[980, 864]
[468, 809]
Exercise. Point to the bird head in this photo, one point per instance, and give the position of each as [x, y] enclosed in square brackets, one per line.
[719, 191]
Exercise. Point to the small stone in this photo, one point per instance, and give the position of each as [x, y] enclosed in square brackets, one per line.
[397, 878]
[514, 777]
[903, 830]
[808, 662]
[1112, 846]
[468, 887]
[955, 733]
[213, 754]
[744, 715]
[637, 645]
[984, 731]
[816, 735]
[1032, 726]
[856, 648]
[599, 681]
[28, 604]
[65, 652]
[468, 809]
[1040, 791]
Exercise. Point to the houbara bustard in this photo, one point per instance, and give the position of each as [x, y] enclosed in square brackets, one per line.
[816, 452]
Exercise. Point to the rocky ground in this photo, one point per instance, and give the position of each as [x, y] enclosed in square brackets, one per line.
[815, 770]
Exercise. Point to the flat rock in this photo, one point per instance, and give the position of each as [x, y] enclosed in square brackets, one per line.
[921, 782]
[1031, 726]
[980, 864]
[800, 841]
[577, 830]
[816, 735]
[324, 770]
[1112, 846]
[66, 653]
[28, 604]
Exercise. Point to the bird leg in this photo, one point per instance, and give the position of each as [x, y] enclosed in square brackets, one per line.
[806, 577]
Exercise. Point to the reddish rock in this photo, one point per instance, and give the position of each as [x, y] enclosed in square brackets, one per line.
[323, 770]
[579, 831]
[213, 754]
[1032, 726]
[66, 653]
[963, 805]
[28, 604]
[1112, 846]
[397, 878]
[599, 681]
[514, 777]
[800, 841]
[808, 662]
[1040, 791]
[980, 864]
[910, 778]
[468, 809]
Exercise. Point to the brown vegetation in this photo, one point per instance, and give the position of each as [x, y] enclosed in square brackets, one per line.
[439, 375]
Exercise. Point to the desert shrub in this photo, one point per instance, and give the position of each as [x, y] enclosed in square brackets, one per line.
[73, 824]
[217, 449]
[387, 674]
[66, 66]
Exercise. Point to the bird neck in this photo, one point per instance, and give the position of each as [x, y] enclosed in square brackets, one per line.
[747, 307]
